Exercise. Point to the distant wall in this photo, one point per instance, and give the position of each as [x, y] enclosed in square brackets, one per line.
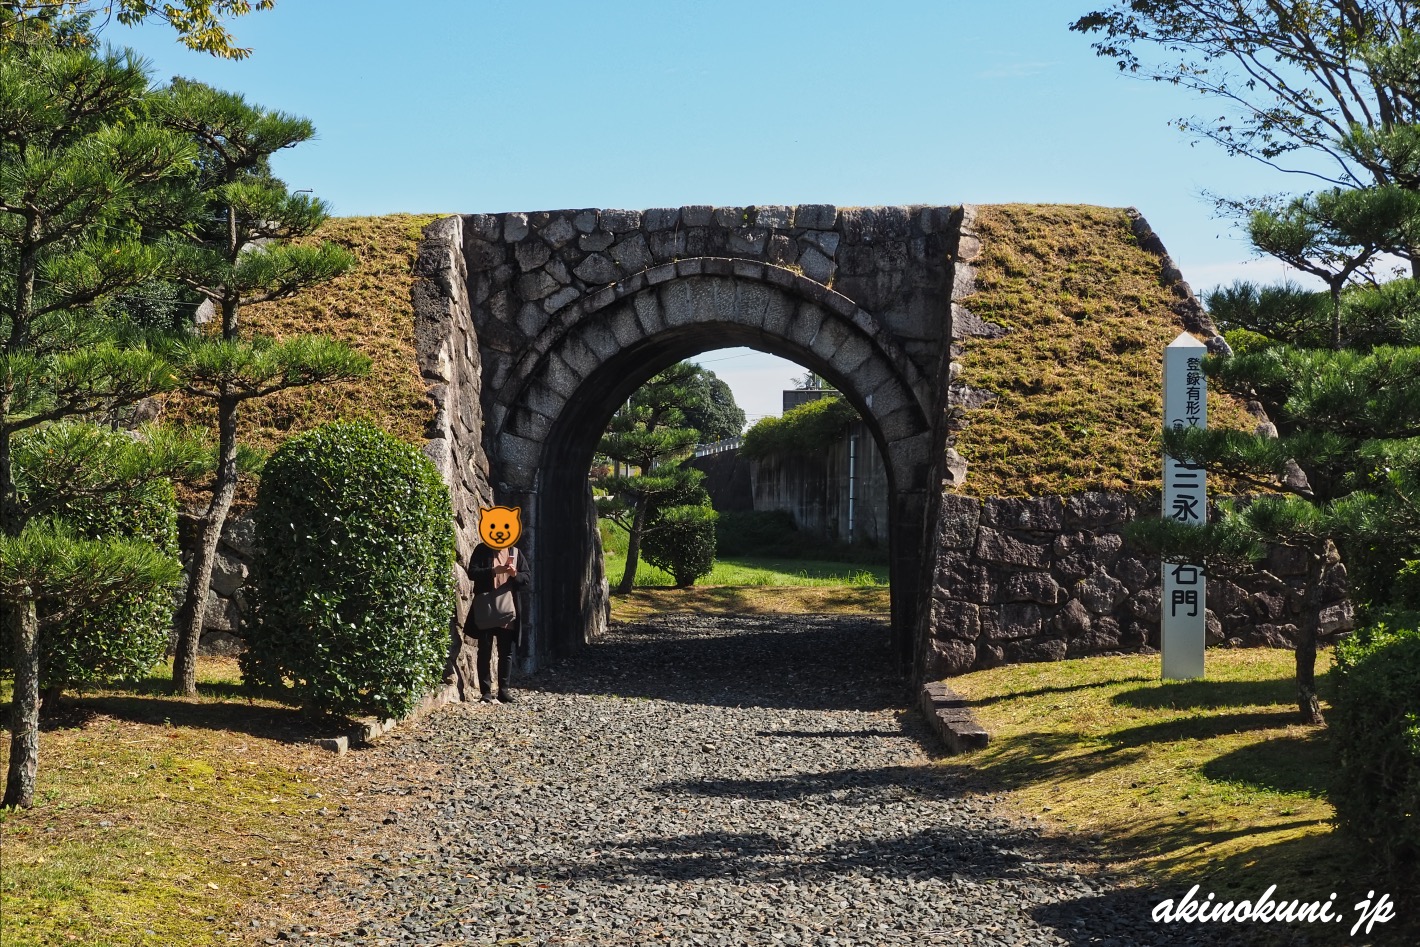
[727, 480]
[816, 490]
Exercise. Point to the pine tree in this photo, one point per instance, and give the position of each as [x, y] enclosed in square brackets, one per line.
[1336, 374]
[240, 256]
[80, 165]
[650, 433]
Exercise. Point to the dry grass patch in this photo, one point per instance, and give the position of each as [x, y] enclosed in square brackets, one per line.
[370, 309]
[163, 820]
[1079, 374]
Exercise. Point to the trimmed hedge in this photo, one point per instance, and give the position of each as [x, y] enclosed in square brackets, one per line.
[353, 596]
[681, 541]
[1376, 720]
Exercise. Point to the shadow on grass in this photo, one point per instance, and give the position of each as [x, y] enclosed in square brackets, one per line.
[1032, 758]
[1306, 869]
[1041, 692]
[1291, 764]
[1210, 695]
[1203, 727]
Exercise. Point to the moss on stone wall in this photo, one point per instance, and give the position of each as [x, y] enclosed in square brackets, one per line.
[1078, 376]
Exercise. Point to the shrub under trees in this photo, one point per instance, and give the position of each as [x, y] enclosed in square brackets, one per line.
[1376, 717]
[75, 473]
[353, 595]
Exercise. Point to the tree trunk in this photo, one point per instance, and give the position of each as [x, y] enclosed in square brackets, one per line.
[24, 710]
[1307, 631]
[194, 604]
[633, 546]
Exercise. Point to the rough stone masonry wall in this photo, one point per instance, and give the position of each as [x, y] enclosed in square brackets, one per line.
[221, 627]
[1046, 578]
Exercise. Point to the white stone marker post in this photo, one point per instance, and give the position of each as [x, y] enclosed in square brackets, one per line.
[1185, 629]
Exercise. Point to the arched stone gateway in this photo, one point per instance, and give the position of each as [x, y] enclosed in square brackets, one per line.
[534, 328]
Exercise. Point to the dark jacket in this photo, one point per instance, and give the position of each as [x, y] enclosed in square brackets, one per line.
[480, 573]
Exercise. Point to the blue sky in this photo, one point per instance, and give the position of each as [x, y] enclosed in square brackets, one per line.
[469, 106]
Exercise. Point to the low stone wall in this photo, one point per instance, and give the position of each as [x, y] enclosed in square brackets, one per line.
[1046, 578]
[221, 626]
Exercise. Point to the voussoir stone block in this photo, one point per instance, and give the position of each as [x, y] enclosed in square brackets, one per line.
[751, 302]
[807, 321]
[649, 312]
[777, 314]
[830, 336]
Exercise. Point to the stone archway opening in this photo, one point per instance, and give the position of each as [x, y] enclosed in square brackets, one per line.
[563, 397]
[571, 557]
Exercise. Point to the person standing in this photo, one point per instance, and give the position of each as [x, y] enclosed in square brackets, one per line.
[497, 574]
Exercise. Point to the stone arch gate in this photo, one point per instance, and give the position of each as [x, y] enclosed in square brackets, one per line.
[533, 328]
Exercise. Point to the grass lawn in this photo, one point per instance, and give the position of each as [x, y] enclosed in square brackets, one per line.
[1209, 782]
[755, 586]
[165, 820]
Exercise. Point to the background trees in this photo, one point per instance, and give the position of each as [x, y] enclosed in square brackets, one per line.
[235, 253]
[1331, 90]
[653, 433]
[1323, 88]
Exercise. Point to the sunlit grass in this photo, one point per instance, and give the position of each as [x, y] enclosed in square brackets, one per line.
[1212, 782]
[162, 820]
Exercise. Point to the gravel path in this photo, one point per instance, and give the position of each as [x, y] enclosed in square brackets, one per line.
[707, 780]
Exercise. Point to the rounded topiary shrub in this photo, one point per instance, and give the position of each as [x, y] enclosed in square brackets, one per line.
[353, 593]
[681, 540]
[124, 638]
[1376, 721]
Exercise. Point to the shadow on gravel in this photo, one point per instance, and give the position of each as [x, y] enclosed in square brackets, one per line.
[844, 786]
[785, 662]
[952, 852]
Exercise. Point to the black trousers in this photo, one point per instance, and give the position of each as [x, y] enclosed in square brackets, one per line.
[486, 638]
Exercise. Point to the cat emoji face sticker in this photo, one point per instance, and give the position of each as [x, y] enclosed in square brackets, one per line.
[500, 526]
